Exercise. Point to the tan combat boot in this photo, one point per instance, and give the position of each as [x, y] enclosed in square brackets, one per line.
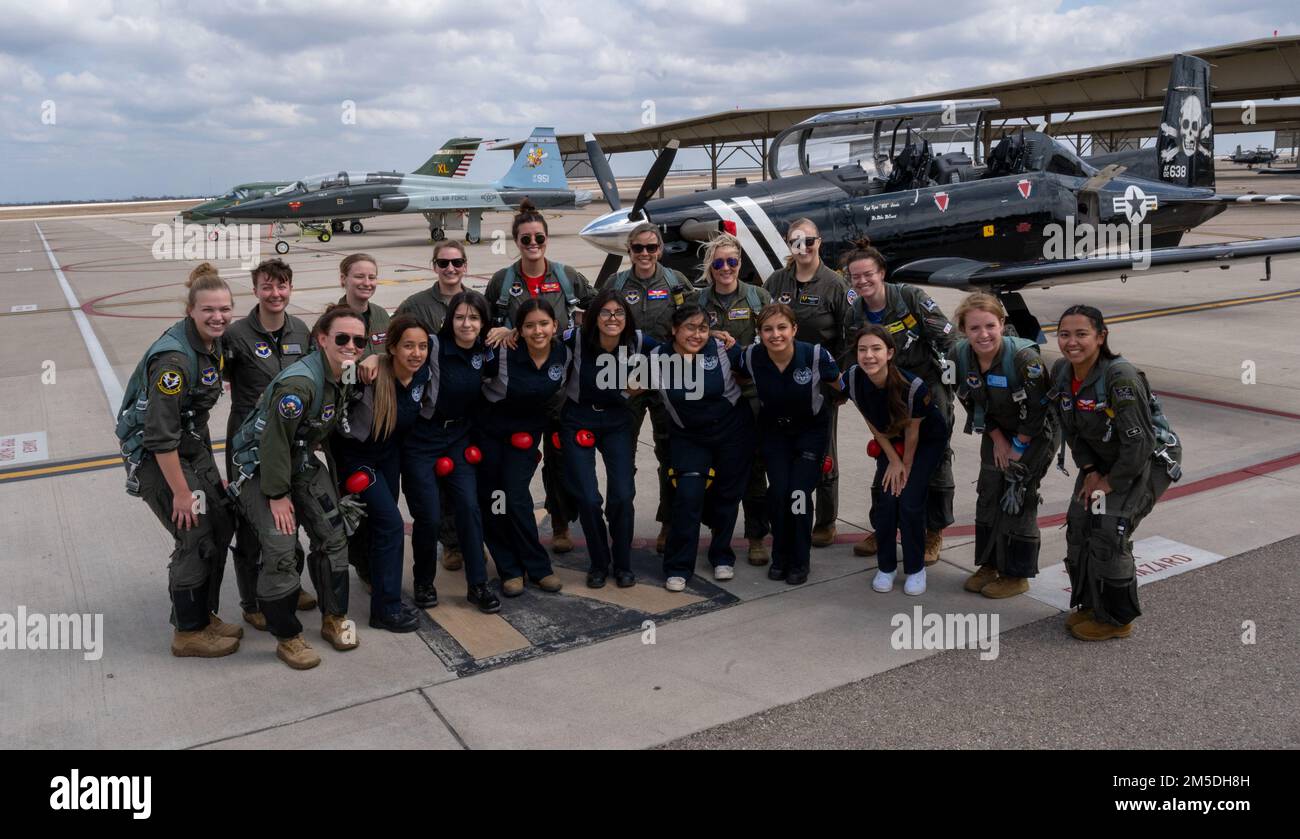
[451, 559]
[1005, 587]
[1092, 630]
[257, 620]
[203, 643]
[305, 601]
[758, 554]
[1077, 617]
[513, 587]
[297, 653]
[340, 632]
[550, 583]
[823, 536]
[867, 547]
[225, 630]
[985, 575]
[561, 542]
[933, 544]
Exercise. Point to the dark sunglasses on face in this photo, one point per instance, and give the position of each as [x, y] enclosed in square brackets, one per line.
[653, 247]
[459, 262]
[529, 238]
[358, 341]
[730, 262]
[807, 241]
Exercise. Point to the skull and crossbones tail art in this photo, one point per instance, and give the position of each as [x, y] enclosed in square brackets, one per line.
[1192, 133]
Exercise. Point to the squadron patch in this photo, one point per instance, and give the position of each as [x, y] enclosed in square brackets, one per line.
[170, 382]
[516, 289]
[327, 413]
[784, 297]
[1034, 371]
[709, 362]
[929, 304]
[476, 361]
[262, 349]
[555, 372]
[417, 393]
[289, 407]
[1086, 405]
[802, 376]
[210, 376]
[973, 381]
[632, 297]
[1124, 394]
[713, 318]
[853, 297]
[1067, 403]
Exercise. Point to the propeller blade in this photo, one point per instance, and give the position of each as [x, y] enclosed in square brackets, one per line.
[604, 177]
[608, 269]
[654, 179]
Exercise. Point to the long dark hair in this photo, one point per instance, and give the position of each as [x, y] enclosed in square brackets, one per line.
[896, 386]
[863, 251]
[1093, 314]
[384, 418]
[533, 304]
[590, 332]
[326, 321]
[474, 299]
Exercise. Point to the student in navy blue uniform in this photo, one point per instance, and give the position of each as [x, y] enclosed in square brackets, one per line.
[522, 380]
[457, 357]
[793, 431]
[710, 444]
[379, 419]
[901, 414]
[596, 417]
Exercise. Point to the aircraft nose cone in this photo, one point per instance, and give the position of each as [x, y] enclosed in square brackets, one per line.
[609, 232]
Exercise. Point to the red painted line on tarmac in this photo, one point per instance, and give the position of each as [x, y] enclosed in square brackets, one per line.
[1236, 406]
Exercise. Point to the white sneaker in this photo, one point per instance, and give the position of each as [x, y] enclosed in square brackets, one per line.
[676, 584]
[915, 583]
[883, 582]
[723, 572]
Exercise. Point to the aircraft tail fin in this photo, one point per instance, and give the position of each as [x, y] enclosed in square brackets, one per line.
[538, 164]
[1185, 142]
[452, 160]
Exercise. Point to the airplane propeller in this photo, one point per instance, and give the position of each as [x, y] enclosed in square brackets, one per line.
[654, 179]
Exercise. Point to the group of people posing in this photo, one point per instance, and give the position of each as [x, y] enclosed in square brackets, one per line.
[457, 398]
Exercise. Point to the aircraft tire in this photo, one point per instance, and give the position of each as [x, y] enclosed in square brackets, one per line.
[282, 247]
[357, 227]
[336, 227]
[324, 236]
[473, 240]
[437, 233]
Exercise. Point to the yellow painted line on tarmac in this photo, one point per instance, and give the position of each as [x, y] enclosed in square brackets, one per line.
[1196, 307]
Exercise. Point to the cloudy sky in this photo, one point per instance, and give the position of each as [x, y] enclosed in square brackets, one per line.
[153, 98]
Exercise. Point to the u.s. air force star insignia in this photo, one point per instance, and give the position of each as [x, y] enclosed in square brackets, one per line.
[170, 382]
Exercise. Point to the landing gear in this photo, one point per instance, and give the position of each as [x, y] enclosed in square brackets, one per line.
[437, 234]
[356, 227]
[472, 239]
[281, 247]
[1024, 322]
[336, 227]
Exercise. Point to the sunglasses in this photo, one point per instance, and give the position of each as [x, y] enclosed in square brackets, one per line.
[529, 238]
[650, 248]
[612, 314]
[358, 341]
[459, 262]
[730, 262]
[808, 241]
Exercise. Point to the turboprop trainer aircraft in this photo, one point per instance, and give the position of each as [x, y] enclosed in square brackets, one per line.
[537, 174]
[1014, 220]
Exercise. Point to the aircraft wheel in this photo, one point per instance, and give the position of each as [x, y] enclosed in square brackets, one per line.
[325, 236]
[282, 247]
[336, 227]
[357, 227]
[473, 240]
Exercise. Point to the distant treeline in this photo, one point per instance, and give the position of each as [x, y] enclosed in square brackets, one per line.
[103, 200]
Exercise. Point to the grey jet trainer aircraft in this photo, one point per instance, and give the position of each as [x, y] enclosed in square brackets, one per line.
[537, 174]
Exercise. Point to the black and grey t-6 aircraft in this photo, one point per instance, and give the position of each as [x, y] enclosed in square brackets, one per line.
[946, 219]
[1253, 156]
[537, 174]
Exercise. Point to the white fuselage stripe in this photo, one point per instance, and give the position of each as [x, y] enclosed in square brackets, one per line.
[765, 226]
[747, 241]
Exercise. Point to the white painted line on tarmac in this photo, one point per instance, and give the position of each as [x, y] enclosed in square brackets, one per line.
[107, 378]
[23, 307]
[29, 269]
[23, 448]
[1156, 557]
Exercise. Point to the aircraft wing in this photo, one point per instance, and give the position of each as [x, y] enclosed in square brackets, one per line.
[1231, 199]
[956, 272]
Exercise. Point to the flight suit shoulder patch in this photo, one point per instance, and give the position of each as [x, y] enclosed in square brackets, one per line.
[1125, 391]
[170, 382]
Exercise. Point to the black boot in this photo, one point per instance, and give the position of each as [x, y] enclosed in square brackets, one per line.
[482, 597]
